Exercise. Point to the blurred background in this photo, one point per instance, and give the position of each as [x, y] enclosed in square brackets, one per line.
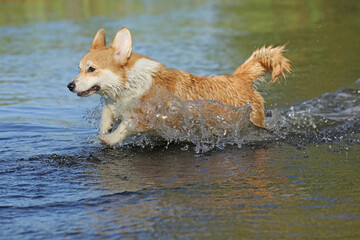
[321, 36]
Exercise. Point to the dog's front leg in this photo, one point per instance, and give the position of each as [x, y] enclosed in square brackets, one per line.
[124, 130]
[107, 120]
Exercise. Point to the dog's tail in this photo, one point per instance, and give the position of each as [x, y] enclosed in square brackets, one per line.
[262, 61]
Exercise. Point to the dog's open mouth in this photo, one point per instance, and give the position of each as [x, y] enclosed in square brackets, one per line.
[89, 92]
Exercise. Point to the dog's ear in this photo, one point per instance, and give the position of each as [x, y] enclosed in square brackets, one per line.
[122, 46]
[99, 41]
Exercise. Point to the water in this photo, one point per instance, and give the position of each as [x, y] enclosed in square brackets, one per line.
[298, 179]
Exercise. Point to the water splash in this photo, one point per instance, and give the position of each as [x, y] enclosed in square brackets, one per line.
[93, 115]
[207, 125]
[330, 117]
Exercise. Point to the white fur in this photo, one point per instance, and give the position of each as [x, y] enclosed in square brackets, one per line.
[107, 119]
[138, 81]
[139, 78]
[124, 130]
[88, 64]
[111, 85]
[120, 96]
[84, 84]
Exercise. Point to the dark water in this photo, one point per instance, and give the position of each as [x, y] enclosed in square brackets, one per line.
[299, 179]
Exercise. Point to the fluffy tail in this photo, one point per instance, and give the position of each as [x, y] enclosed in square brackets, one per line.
[262, 61]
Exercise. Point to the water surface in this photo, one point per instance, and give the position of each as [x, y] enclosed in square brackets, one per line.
[298, 180]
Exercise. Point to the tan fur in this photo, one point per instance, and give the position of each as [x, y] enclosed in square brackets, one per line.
[235, 90]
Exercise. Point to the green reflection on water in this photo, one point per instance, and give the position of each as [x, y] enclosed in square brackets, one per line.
[321, 36]
[22, 11]
[322, 39]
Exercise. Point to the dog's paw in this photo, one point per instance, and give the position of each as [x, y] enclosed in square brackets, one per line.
[108, 140]
[105, 130]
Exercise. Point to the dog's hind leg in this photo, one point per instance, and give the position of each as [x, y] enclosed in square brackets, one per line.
[257, 115]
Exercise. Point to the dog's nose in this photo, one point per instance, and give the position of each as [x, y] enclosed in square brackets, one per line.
[71, 86]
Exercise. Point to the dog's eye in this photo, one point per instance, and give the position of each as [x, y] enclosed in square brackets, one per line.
[91, 69]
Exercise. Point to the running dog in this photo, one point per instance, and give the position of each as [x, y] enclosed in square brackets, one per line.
[122, 76]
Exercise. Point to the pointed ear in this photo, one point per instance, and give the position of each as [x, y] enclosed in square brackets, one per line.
[122, 46]
[99, 41]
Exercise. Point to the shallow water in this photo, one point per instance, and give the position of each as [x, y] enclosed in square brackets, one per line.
[298, 179]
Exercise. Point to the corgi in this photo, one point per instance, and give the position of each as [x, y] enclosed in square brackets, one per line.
[122, 76]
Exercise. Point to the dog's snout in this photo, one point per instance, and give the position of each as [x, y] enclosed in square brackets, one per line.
[71, 86]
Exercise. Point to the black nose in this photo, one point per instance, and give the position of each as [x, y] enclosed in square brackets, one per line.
[71, 86]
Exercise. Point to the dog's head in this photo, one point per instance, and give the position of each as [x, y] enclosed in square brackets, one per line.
[102, 70]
